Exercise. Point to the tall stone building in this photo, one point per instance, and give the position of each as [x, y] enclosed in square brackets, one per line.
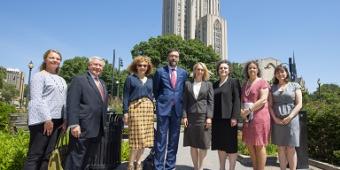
[196, 19]
[15, 77]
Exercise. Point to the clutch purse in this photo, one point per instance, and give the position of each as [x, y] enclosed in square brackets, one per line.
[246, 106]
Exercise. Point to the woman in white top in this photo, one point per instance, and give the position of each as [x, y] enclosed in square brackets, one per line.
[46, 111]
[198, 108]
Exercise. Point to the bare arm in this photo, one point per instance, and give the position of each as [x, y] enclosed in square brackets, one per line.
[297, 108]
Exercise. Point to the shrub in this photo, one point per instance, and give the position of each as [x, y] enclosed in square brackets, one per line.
[125, 151]
[13, 150]
[242, 148]
[324, 131]
[5, 110]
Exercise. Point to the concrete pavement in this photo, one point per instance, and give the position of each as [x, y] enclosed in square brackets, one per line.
[211, 163]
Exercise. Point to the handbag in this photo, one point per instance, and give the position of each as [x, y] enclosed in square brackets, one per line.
[58, 155]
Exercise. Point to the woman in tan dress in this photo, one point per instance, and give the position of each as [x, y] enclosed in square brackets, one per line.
[139, 109]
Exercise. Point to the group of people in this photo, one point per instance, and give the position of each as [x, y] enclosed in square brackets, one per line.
[208, 111]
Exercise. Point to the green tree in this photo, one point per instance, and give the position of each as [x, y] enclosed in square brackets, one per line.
[237, 71]
[191, 52]
[2, 76]
[78, 66]
[8, 92]
[73, 67]
[323, 123]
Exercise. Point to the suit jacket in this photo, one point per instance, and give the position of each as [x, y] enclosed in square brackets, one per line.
[165, 95]
[204, 102]
[85, 105]
[230, 98]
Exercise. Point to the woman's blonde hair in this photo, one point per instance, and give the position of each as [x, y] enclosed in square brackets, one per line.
[137, 60]
[206, 74]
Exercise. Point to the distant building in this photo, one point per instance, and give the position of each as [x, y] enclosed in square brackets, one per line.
[196, 19]
[267, 68]
[16, 77]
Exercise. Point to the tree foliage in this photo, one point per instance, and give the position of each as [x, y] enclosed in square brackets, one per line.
[324, 123]
[191, 51]
[2, 76]
[78, 66]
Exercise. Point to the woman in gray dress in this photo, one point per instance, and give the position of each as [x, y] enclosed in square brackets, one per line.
[198, 103]
[286, 102]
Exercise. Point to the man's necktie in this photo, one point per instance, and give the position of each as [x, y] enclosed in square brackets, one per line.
[173, 78]
[100, 88]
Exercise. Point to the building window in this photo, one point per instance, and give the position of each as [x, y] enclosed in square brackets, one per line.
[218, 37]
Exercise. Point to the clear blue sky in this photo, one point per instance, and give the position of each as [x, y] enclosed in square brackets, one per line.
[256, 29]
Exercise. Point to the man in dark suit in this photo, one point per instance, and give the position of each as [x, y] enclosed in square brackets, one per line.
[86, 107]
[168, 91]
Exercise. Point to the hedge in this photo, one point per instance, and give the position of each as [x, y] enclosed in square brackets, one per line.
[324, 132]
[13, 149]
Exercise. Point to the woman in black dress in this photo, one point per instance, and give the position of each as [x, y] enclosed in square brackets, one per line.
[226, 110]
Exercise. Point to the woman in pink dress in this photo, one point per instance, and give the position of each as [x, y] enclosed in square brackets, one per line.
[256, 126]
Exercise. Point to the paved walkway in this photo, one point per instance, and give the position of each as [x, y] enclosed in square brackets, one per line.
[211, 163]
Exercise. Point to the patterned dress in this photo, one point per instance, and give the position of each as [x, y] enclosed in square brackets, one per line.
[283, 104]
[137, 102]
[256, 132]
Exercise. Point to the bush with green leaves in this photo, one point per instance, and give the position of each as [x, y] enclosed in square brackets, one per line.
[324, 124]
[125, 151]
[13, 149]
[5, 110]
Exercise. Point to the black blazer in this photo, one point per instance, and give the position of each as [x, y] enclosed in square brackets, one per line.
[85, 105]
[230, 98]
[204, 102]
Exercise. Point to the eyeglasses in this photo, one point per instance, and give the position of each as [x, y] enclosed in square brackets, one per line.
[142, 65]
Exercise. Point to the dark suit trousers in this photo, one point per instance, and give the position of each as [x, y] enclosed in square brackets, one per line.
[80, 152]
[41, 146]
[167, 136]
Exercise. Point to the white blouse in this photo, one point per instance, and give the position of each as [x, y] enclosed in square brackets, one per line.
[48, 94]
[196, 88]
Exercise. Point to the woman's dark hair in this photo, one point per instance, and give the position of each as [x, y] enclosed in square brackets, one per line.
[43, 65]
[245, 70]
[281, 68]
[218, 64]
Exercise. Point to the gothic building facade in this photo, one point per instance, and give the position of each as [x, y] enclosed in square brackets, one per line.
[196, 19]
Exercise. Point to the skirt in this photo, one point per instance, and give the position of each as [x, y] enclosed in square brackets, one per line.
[141, 123]
[196, 134]
[224, 137]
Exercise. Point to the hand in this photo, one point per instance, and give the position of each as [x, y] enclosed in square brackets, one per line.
[287, 120]
[75, 131]
[48, 127]
[185, 122]
[244, 113]
[208, 123]
[126, 119]
[233, 122]
[63, 126]
[277, 121]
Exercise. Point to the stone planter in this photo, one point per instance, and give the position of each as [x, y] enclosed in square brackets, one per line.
[246, 161]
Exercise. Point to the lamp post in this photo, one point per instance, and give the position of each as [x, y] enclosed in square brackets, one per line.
[117, 85]
[30, 67]
[319, 84]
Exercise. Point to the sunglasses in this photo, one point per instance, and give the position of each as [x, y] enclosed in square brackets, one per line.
[142, 65]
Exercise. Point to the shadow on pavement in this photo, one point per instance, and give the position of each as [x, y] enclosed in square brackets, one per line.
[123, 166]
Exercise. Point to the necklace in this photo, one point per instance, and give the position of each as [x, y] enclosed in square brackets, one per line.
[248, 87]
